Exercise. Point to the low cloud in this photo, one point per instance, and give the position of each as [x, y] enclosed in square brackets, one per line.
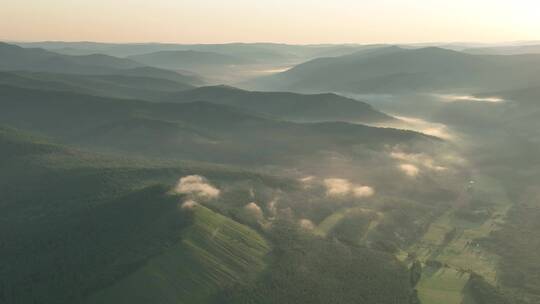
[420, 125]
[343, 187]
[417, 159]
[197, 186]
[254, 210]
[306, 224]
[189, 204]
[454, 159]
[411, 157]
[470, 98]
[409, 170]
[272, 206]
[337, 186]
[363, 191]
[307, 181]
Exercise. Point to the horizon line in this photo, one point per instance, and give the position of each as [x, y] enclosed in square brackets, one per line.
[273, 42]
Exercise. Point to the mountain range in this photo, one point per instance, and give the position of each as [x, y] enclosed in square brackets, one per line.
[188, 60]
[398, 70]
[15, 58]
[192, 130]
[285, 105]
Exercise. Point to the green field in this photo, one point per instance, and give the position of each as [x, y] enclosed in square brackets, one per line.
[453, 242]
[442, 286]
[330, 222]
[215, 253]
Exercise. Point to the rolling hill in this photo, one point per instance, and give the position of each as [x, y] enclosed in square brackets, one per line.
[284, 105]
[253, 52]
[119, 86]
[195, 130]
[15, 58]
[18, 58]
[111, 49]
[230, 63]
[78, 227]
[189, 60]
[215, 253]
[105, 220]
[394, 70]
[505, 50]
[527, 96]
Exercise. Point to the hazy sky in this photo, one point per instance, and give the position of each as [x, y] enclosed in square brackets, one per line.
[291, 21]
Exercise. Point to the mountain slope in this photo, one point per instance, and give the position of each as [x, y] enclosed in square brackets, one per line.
[307, 269]
[98, 221]
[290, 106]
[119, 86]
[198, 130]
[218, 63]
[15, 58]
[186, 59]
[78, 227]
[253, 52]
[215, 252]
[528, 96]
[505, 50]
[390, 70]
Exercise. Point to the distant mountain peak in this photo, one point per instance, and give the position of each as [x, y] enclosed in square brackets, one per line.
[5, 44]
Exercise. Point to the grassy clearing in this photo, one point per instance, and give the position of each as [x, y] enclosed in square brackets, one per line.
[452, 241]
[442, 286]
[214, 253]
[329, 223]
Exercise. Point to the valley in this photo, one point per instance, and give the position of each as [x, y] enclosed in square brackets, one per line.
[362, 174]
[454, 249]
